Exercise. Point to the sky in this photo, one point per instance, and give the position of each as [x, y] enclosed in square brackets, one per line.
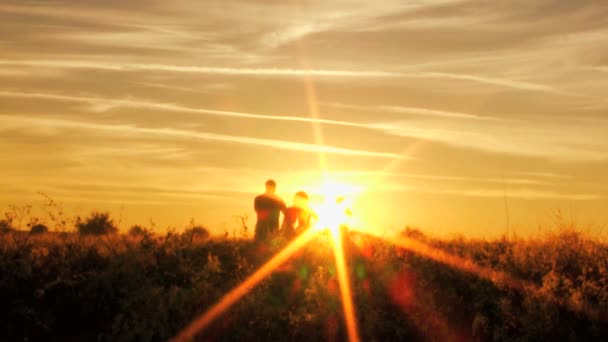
[455, 116]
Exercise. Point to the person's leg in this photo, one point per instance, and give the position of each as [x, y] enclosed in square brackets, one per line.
[260, 231]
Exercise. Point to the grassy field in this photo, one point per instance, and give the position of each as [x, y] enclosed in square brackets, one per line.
[147, 286]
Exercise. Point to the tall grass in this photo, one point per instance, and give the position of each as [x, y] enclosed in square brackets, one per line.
[146, 286]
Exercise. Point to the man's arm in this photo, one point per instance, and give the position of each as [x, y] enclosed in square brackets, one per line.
[256, 203]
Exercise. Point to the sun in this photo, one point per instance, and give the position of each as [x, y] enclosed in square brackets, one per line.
[333, 206]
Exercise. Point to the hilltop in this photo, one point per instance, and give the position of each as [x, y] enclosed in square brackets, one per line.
[147, 286]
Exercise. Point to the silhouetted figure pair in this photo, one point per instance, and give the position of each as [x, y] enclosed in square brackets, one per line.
[268, 207]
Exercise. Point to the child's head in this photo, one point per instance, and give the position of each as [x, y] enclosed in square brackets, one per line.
[300, 200]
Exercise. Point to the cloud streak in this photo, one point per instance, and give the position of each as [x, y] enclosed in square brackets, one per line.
[556, 140]
[283, 72]
[277, 72]
[103, 104]
[471, 131]
[409, 110]
[522, 193]
[186, 134]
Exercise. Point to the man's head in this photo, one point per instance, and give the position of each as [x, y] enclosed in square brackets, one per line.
[271, 186]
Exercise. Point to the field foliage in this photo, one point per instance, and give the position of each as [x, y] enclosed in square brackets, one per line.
[146, 286]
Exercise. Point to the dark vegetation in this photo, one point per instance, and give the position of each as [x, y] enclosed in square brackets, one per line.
[146, 286]
[97, 224]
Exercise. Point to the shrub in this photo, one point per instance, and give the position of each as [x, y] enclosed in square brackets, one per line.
[39, 229]
[137, 230]
[5, 227]
[196, 233]
[96, 224]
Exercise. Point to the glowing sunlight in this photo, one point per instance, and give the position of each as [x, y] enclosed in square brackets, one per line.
[255, 170]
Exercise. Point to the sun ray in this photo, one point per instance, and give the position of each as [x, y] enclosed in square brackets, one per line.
[457, 262]
[497, 277]
[343, 279]
[313, 106]
[243, 288]
[345, 291]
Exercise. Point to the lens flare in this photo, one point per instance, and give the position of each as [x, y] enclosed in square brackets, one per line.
[495, 276]
[243, 288]
[455, 261]
[333, 208]
[345, 292]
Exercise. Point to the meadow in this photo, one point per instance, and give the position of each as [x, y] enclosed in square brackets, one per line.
[90, 282]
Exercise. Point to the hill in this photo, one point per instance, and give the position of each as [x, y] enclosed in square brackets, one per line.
[148, 286]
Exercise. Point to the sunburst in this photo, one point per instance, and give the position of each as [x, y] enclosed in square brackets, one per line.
[334, 215]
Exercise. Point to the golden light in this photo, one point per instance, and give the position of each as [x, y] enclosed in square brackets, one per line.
[203, 321]
[333, 205]
[334, 213]
[470, 266]
[345, 291]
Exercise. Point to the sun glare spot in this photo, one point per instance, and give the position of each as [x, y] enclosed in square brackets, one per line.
[333, 206]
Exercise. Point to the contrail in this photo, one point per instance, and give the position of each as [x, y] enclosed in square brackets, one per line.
[186, 134]
[104, 104]
[280, 72]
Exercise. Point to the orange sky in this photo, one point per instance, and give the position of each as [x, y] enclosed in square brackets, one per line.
[437, 110]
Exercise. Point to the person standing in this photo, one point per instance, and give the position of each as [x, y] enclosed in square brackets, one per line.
[297, 218]
[268, 207]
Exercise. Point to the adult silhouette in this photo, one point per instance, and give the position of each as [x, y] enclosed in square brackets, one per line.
[297, 218]
[268, 207]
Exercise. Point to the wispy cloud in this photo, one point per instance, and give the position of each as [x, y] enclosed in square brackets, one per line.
[500, 82]
[186, 134]
[521, 193]
[278, 72]
[447, 178]
[193, 90]
[348, 16]
[97, 104]
[596, 68]
[408, 110]
[523, 138]
[553, 140]
[282, 72]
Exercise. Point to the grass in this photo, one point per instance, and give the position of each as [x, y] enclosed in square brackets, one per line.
[147, 286]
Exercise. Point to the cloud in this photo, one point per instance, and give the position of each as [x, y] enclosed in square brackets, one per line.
[596, 68]
[276, 72]
[431, 177]
[102, 105]
[408, 110]
[337, 16]
[283, 72]
[501, 82]
[522, 193]
[519, 193]
[186, 134]
[523, 137]
[558, 140]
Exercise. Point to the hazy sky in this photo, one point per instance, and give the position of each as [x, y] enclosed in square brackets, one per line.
[437, 110]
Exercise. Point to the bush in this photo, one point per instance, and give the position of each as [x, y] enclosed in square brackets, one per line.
[196, 233]
[5, 227]
[137, 230]
[39, 229]
[96, 224]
